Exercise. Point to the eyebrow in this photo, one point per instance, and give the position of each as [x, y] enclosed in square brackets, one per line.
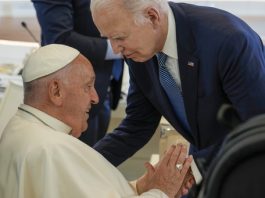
[115, 37]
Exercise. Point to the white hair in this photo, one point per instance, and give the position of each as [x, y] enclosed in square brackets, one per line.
[136, 7]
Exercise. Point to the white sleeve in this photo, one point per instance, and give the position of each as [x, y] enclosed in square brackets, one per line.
[64, 172]
[156, 193]
[47, 174]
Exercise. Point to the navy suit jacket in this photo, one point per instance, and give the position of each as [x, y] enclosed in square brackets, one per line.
[71, 24]
[228, 67]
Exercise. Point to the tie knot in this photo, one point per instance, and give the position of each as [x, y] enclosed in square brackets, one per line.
[161, 57]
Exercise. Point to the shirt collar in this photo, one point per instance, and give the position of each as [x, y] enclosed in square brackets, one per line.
[45, 119]
[170, 47]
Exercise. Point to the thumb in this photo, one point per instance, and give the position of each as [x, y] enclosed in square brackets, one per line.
[149, 168]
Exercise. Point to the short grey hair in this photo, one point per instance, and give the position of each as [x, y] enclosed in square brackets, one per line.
[136, 7]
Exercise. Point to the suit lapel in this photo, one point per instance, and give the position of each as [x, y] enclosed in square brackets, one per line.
[162, 102]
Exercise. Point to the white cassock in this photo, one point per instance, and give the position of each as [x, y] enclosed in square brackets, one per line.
[38, 159]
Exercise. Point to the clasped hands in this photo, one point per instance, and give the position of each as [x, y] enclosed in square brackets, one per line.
[171, 174]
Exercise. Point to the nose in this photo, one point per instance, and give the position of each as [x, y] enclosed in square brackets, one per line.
[94, 97]
[116, 46]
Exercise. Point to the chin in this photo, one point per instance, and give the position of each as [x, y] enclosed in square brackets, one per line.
[139, 59]
[76, 135]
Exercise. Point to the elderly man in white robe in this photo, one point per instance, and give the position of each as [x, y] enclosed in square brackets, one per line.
[39, 154]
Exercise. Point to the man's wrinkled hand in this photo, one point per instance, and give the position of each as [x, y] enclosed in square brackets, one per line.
[165, 175]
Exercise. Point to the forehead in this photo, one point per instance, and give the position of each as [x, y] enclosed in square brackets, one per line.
[113, 20]
[83, 68]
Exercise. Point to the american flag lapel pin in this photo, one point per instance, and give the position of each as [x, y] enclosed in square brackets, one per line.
[190, 63]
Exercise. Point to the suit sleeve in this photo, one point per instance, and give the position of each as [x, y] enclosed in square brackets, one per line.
[135, 130]
[70, 23]
[242, 72]
[57, 21]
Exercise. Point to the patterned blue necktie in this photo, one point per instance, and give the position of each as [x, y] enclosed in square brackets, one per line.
[117, 69]
[172, 90]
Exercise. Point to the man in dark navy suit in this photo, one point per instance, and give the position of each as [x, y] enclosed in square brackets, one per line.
[69, 22]
[185, 61]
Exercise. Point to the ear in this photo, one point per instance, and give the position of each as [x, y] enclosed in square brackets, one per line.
[56, 92]
[153, 15]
